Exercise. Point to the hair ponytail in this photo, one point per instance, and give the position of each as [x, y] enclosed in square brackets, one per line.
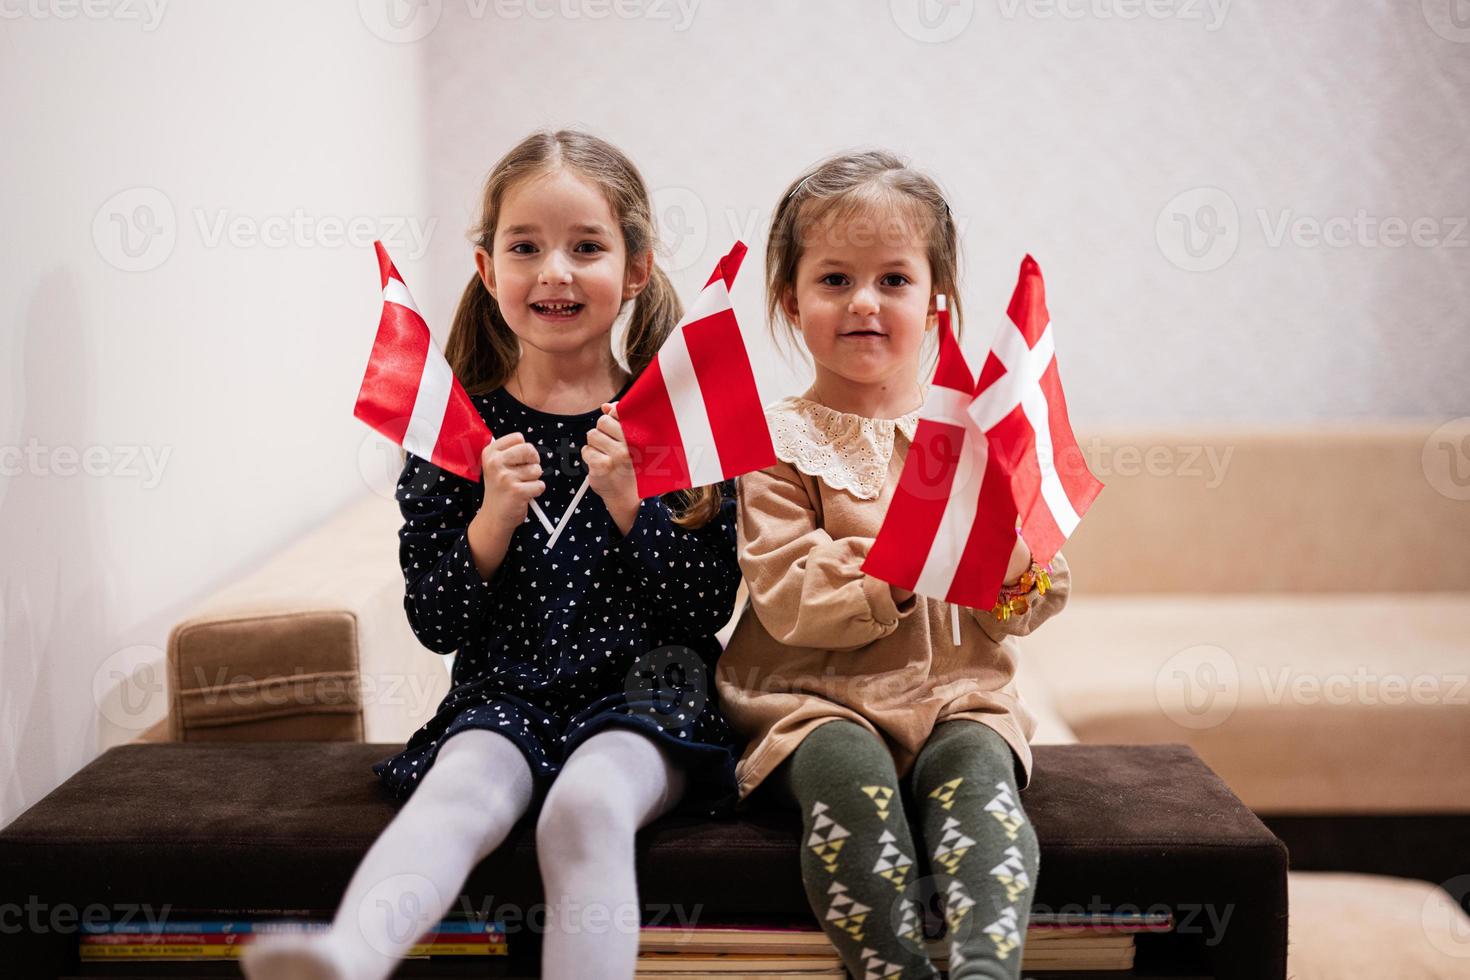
[482, 350]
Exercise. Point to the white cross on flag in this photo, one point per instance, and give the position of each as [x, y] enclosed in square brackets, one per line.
[694, 416]
[985, 452]
[409, 394]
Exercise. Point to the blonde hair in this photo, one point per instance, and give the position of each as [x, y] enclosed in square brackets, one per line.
[849, 188]
[483, 350]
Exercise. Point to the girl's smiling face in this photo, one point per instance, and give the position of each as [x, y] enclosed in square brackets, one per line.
[559, 269]
[861, 297]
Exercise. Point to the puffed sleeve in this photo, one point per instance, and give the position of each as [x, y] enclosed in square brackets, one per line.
[808, 589]
[688, 576]
[1040, 607]
[444, 596]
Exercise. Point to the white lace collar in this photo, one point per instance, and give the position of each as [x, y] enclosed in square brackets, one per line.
[845, 451]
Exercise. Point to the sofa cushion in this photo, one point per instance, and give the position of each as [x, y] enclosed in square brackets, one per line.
[1302, 703]
[312, 645]
[1348, 507]
[1351, 925]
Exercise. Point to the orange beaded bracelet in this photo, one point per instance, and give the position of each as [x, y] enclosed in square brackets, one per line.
[1013, 601]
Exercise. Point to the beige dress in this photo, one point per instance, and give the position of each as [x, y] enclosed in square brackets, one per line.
[826, 641]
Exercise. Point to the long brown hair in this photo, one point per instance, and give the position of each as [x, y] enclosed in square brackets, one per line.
[856, 186]
[483, 350]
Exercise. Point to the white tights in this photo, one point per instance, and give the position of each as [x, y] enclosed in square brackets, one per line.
[478, 787]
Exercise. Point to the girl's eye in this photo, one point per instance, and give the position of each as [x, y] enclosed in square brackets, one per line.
[522, 248]
[894, 280]
[834, 279]
[590, 248]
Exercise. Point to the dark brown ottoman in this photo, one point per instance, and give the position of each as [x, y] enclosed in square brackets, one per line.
[282, 826]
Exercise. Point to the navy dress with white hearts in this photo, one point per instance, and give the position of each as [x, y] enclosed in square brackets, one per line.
[601, 630]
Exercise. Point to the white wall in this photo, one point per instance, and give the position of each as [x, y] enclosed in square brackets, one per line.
[231, 363]
[1060, 134]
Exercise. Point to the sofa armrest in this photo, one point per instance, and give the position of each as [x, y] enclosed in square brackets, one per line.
[312, 646]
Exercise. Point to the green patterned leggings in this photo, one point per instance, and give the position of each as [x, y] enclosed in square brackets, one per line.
[863, 873]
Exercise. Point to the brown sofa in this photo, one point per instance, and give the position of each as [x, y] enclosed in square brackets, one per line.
[1295, 606]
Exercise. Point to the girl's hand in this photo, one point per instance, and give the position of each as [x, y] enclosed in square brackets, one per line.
[1020, 560]
[511, 470]
[610, 468]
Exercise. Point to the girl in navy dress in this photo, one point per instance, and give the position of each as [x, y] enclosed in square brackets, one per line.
[582, 617]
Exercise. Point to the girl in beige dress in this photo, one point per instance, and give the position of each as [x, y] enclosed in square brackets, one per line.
[862, 702]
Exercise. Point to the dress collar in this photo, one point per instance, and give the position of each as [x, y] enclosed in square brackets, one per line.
[845, 451]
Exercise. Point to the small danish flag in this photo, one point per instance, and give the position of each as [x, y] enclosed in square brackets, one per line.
[694, 416]
[409, 393]
[986, 452]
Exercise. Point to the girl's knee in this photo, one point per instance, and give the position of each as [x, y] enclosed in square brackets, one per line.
[843, 745]
[962, 746]
[582, 818]
[481, 773]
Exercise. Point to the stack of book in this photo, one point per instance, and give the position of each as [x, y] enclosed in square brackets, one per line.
[1054, 943]
[215, 939]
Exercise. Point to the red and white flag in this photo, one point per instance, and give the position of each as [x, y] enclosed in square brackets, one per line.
[694, 417]
[1025, 415]
[986, 452]
[409, 394]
